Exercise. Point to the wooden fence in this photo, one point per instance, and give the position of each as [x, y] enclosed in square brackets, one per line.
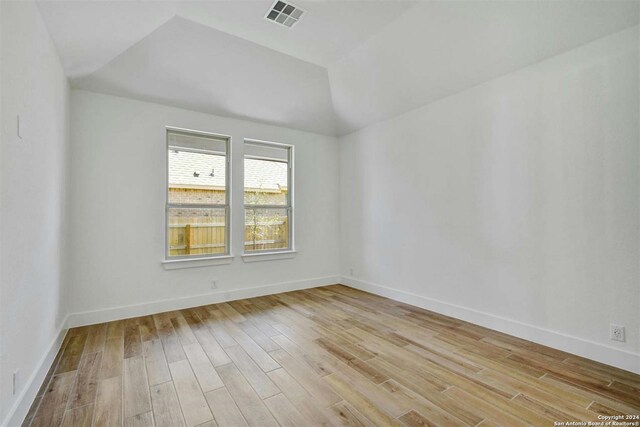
[209, 238]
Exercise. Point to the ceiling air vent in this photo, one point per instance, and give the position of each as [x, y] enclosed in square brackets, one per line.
[284, 14]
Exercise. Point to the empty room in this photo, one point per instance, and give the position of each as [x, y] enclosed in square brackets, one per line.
[319, 213]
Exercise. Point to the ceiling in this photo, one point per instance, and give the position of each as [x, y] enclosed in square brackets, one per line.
[327, 31]
[345, 65]
[444, 47]
[88, 34]
[193, 66]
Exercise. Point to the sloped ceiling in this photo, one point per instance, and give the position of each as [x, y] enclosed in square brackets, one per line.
[346, 65]
[88, 34]
[440, 48]
[193, 66]
[329, 30]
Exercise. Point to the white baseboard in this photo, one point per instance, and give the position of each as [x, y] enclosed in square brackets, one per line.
[591, 350]
[128, 311]
[23, 402]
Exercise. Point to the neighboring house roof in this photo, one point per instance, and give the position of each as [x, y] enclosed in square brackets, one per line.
[258, 174]
[265, 175]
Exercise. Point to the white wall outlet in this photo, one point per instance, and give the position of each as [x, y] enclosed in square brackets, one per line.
[18, 127]
[617, 332]
[214, 284]
[15, 381]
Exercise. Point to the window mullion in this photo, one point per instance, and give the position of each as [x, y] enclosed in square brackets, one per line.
[198, 205]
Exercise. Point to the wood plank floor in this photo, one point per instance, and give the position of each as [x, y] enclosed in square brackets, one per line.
[325, 356]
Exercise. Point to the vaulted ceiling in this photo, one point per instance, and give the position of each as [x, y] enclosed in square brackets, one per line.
[345, 65]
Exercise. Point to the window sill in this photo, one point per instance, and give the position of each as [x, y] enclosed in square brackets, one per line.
[268, 256]
[174, 264]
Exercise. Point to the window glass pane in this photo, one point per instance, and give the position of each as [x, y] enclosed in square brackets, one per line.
[265, 182]
[266, 229]
[196, 231]
[196, 177]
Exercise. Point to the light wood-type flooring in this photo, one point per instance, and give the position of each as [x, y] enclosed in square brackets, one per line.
[325, 356]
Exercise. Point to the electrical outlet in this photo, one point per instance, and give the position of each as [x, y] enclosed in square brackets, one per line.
[214, 284]
[18, 127]
[617, 332]
[15, 381]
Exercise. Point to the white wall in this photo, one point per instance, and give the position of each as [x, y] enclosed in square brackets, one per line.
[117, 194]
[514, 204]
[32, 174]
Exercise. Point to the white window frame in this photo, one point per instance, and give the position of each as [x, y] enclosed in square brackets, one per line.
[226, 255]
[289, 206]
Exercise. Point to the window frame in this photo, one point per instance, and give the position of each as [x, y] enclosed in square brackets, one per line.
[290, 206]
[226, 206]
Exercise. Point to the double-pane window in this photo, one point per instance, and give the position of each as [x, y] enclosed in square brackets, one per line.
[268, 196]
[197, 211]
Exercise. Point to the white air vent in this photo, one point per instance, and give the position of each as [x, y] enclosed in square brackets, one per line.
[284, 14]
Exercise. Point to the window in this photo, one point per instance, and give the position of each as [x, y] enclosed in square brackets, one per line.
[197, 212]
[268, 197]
